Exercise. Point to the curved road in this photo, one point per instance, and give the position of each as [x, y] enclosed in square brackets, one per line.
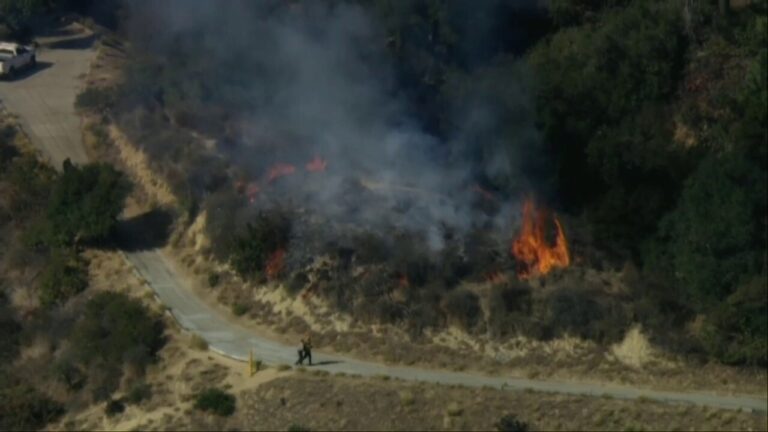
[44, 101]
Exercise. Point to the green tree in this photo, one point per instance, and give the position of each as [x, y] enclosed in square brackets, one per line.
[85, 203]
[116, 329]
[65, 276]
[269, 232]
[592, 76]
[717, 233]
[16, 16]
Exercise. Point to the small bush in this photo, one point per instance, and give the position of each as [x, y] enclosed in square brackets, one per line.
[138, 393]
[216, 401]
[239, 309]
[85, 203]
[197, 342]
[114, 407]
[298, 428]
[268, 233]
[65, 276]
[24, 408]
[510, 423]
[214, 279]
[283, 367]
[116, 329]
[70, 375]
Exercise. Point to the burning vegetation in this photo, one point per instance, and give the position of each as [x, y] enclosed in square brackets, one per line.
[434, 204]
[534, 253]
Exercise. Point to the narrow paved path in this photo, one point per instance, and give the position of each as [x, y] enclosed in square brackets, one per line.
[44, 99]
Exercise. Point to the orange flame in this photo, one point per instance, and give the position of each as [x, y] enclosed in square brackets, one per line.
[279, 170]
[275, 264]
[317, 164]
[531, 249]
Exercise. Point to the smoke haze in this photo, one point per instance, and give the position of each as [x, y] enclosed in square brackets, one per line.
[314, 79]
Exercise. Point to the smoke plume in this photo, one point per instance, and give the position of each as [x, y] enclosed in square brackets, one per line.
[313, 80]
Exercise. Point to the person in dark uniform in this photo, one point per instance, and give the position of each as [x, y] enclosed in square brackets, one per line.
[305, 352]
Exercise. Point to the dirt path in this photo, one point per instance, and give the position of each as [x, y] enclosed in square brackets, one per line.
[44, 100]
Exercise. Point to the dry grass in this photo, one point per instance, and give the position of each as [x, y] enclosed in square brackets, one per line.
[343, 403]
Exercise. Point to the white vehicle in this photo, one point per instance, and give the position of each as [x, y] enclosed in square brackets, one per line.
[14, 57]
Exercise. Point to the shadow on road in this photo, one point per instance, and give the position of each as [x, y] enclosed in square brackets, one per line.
[326, 363]
[146, 231]
[83, 42]
[29, 71]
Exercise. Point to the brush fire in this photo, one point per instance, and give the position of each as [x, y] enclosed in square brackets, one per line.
[534, 254]
[275, 264]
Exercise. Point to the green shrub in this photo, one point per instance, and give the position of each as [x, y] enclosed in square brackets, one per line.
[240, 309]
[138, 393]
[114, 407]
[735, 331]
[70, 375]
[22, 407]
[115, 329]
[715, 235]
[65, 276]
[213, 279]
[592, 76]
[265, 235]
[216, 401]
[298, 428]
[510, 423]
[85, 203]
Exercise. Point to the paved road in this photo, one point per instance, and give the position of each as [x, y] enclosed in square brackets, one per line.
[44, 98]
[44, 101]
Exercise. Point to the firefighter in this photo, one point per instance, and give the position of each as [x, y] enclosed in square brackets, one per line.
[305, 352]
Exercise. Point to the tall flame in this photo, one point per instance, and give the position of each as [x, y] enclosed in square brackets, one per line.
[531, 249]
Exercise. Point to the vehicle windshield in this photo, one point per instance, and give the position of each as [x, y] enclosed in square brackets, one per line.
[6, 53]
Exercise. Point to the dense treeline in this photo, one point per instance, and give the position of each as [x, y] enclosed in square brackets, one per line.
[644, 120]
[660, 133]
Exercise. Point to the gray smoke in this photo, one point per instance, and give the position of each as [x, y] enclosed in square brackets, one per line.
[314, 79]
